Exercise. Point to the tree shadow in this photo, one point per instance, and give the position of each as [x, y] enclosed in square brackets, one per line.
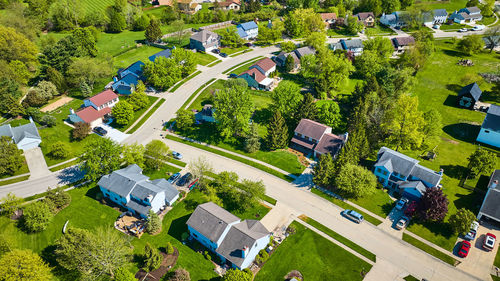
[463, 131]
[70, 175]
[471, 201]
[387, 208]
[178, 227]
[49, 256]
[438, 228]
[454, 171]
[262, 116]
[490, 96]
[454, 87]
[454, 53]
[482, 183]
[94, 193]
[451, 100]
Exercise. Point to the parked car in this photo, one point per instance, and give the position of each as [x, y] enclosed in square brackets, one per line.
[177, 155]
[101, 131]
[471, 235]
[216, 51]
[353, 215]
[478, 28]
[223, 55]
[401, 203]
[233, 75]
[436, 26]
[249, 44]
[462, 30]
[464, 249]
[402, 223]
[489, 242]
[174, 177]
[185, 179]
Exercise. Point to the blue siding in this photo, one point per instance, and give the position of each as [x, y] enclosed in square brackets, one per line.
[202, 239]
[250, 81]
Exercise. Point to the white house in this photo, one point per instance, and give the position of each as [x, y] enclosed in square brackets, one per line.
[490, 130]
[235, 242]
[95, 109]
[102, 100]
[265, 65]
[248, 30]
[129, 188]
[469, 14]
[25, 136]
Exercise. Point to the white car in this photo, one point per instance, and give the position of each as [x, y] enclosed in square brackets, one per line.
[478, 27]
[462, 30]
[402, 223]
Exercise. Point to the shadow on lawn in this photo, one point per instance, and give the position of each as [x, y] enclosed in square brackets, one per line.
[454, 171]
[451, 100]
[454, 53]
[49, 256]
[471, 201]
[454, 88]
[463, 131]
[178, 227]
[70, 175]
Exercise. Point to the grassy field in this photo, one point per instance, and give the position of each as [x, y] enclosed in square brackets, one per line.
[135, 54]
[165, 172]
[314, 256]
[429, 250]
[379, 203]
[379, 30]
[204, 59]
[450, 5]
[96, 5]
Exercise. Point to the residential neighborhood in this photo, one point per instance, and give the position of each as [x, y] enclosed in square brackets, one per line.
[249, 140]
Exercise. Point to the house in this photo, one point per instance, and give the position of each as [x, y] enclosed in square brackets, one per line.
[127, 79]
[95, 109]
[25, 136]
[466, 15]
[311, 137]
[490, 208]
[234, 241]
[247, 30]
[353, 45]
[403, 43]
[206, 114]
[490, 130]
[396, 19]
[234, 5]
[367, 18]
[401, 173]
[303, 51]
[167, 53]
[280, 59]
[469, 95]
[130, 189]
[204, 41]
[439, 16]
[162, 3]
[188, 6]
[265, 65]
[256, 79]
[335, 46]
[329, 19]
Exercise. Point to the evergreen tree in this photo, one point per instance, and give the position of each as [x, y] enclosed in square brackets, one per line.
[323, 171]
[308, 109]
[153, 31]
[154, 223]
[289, 63]
[252, 141]
[117, 22]
[277, 132]
[152, 258]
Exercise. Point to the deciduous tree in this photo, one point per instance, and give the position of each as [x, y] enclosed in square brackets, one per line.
[236, 275]
[355, 181]
[59, 150]
[88, 70]
[37, 216]
[471, 45]
[289, 63]
[58, 197]
[10, 203]
[433, 206]
[24, 265]
[123, 112]
[462, 220]
[301, 22]
[16, 47]
[233, 109]
[163, 73]
[133, 154]
[138, 99]
[353, 25]
[201, 168]
[307, 109]
[432, 127]
[180, 274]
[101, 157]
[123, 274]
[481, 162]
[11, 158]
[81, 130]
[287, 46]
[286, 99]
[185, 119]
[328, 113]
[156, 153]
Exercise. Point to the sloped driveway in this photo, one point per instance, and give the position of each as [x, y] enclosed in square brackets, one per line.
[36, 163]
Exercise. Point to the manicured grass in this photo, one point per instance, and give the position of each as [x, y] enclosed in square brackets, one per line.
[196, 92]
[411, 278]
[241, 53]
[379, 203]
[346, 205]
[450, 6]
[137, 114]
[96, 5]
[184, 81]
[146, 117]
[177, 162]
[214, 63]
[429, 250]
[269, 200]
[314, 256]
[204, 59]
[252, 60]
[244, 67]
[64, 166]
[371, 256]
[164, 173]
[340, 32]
[6, 182]
[234, 157]
[495, 278]
[141, 53]
[497, 260]
[379, 30]
[487, 20]
[230, 51]
[453, 27]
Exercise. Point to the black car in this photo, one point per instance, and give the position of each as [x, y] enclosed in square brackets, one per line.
[100, 131]
[233, 75]
[216, 51]
[223, 55]
[185, 179]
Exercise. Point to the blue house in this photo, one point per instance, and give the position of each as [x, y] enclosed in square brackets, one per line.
[247, 30]
[235, 242]
[129, 188]
[127, 78]
[403, 174]
[167, 53]
[490, 130]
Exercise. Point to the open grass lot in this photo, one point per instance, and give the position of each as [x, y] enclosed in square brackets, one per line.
[314, 256]
[231, 51]
[339, 32]
[379, 30]
[450, 5]
[164, 172]
[453, 27]
[204, 59]
[135, 54]
[207, 132]
[96, 5]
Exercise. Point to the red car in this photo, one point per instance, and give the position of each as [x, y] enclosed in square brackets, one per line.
[464, 249]
[489, 242]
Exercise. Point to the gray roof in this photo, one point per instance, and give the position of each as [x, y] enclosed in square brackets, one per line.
[491, 206]
[300, 52]
[351, 44]
[426, 174]
[472, 89]
[170, 191]
[144, 189]
[203, 35]
[141, 209]
[330, 143]
[20, 132]
[473, 10]
[418, 185]
[211, 220]
[311, 129]
[440, 13]
[245, 233]
[401, 163]
[492, 119]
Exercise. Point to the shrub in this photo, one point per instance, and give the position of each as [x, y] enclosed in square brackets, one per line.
[170, 248]
[122, 274]
[154, 223]
[59, 197]
[291, 229]
[59, 150]
[152, 258]
[262, 257]
[180, 274]
[37, 216]
[48, 120]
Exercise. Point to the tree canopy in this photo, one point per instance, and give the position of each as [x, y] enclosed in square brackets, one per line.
[355, 181]
[19, 265]
[101, 157]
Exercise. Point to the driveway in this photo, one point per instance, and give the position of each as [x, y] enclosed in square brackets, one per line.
[36, 163]
[279, 216]
[114, 134]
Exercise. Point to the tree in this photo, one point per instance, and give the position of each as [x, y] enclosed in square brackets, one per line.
[24, 265]
[58, 197]
[289, 63]
[86, 41]
[138, 99]
[233, 111]
[123, 112]
[301, 22]
[179, 28]
[380, 45]
[308, 109]
[153, 225]
[169, 248]
[123, 274]
[101, 157]
[54, 76]
[59, 150]
[433, 205]
[236, 275]
[152, 258]
[117, 22]
[404, 123]
[93, 254]
[492, 37]
[287, 46]
[252, 140]
[355, 181]
[185, 119]
[389, 6]
[11, 158]
[141, 23]
[487, 8]
[66, 14]
[230, 38]
[162, 73]
[200, 169]
[10, 203]
[133, 154]
[81, 130]
[354, 26]
[462, 220]
[322, 171]
[432, 126]
[153, 32]
[328, 113]
[157, 152]
[180, 274]
[472, 3]
[317, 40]
[48, 120]
[471, 45]
[37, 216]
[185, 60]
[16, 47]
[481, 162]
[88, 70]
[277, 132]
[5, 246]
[286, 99]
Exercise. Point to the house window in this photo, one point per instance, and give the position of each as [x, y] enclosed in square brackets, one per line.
[194, 234]
[486, 131]
[379, 170]
[384, 173]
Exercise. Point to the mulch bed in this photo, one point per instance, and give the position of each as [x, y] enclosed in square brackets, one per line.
[168, 262]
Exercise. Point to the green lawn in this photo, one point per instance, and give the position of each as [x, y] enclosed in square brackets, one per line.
[379, 203]
[379, 30]
[339, 32]
[63, 166]
[146, 117]
[6, 182]
[314, 256]
[453, 27]
[450, 6]
[204, 59]
[176, 86]
[429, 250]
[96, 5]
[495, 278]
[135, 54]
[411, 278]
[165, 172]
[244, 67]
[230, 51]
[137, 114]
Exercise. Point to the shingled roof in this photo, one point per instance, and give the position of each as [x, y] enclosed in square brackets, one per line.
[490, 206]
[211, 220]
[311, 129]
[492, 119]
[103, 97]
[472, 89]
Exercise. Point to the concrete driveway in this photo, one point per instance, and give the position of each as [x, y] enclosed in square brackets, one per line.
[36, 163]
[278, 217]
[114, 134]
[479, 261]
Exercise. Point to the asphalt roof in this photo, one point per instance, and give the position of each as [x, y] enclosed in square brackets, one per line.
[255, 74]
[364, 15]
[211, 220]
[440, 13]
[352, 43]
[403, 41]
[426, 174]
[248, 25]
[492, 119]
[330, 143]
[90, 114]
[473, 89]
[491, 206]
[401, 163]
[328, 16]
[203, 35]
[311, 129]
[135, 68]
[20, 132]
[266, 64]
[165, 53]
[300, 52]
[103, 97]
[418, 185]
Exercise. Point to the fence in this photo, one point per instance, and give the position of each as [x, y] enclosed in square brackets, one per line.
[217, 25]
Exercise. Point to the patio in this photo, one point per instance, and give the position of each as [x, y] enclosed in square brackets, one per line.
[130, 225]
